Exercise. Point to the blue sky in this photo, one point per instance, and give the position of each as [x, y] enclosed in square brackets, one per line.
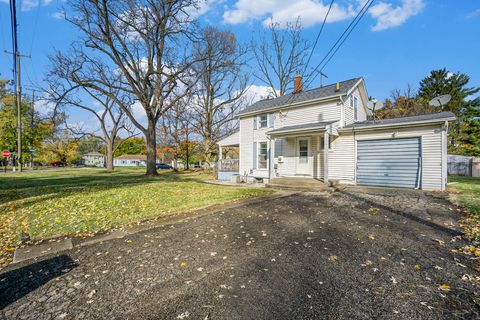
[397, 43]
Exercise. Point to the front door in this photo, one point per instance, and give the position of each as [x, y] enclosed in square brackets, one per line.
[304, 161]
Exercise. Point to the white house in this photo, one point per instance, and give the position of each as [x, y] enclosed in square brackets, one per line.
[130, 160]
[324, 134]
[94, 159]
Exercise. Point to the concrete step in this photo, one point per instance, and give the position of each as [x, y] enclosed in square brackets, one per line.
[298, 184]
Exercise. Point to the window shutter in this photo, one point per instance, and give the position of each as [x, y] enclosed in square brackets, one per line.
[254, 122]
[270, 120]
[254, 155]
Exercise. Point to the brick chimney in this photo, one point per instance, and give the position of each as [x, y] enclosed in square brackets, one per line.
[297, 84]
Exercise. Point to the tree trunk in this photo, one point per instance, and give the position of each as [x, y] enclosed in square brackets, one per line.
[207, 153]
[151, 149]
[109, 156]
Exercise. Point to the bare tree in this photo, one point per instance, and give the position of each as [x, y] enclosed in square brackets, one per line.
[111, 117]
[175, 128]
[280, 56]
[144, 41]
[221, 87]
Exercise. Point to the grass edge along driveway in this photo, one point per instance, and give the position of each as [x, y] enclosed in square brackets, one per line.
[81, 202]
[467, 195]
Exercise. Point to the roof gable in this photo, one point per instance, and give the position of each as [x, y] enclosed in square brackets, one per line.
[324, 92]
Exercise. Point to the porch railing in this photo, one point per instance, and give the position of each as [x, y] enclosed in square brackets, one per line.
[226, 168]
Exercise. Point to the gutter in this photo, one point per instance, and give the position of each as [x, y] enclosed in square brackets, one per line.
[403, 124]
[293, 131]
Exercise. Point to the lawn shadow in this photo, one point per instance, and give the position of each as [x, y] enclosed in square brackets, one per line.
[17, 283]
[412, 217]
[55, 187]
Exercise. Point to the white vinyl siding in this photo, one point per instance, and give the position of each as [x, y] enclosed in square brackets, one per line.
[250, 133]
[341, 159]
[342, 156]
[350, 110]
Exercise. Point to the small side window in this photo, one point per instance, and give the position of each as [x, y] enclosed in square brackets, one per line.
[355, 107]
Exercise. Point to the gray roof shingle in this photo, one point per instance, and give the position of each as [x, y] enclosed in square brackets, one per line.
[392, 121]
[288, 99]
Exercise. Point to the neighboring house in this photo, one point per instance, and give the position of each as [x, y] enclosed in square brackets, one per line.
[324, 134]
[130, 160]
[94, 159]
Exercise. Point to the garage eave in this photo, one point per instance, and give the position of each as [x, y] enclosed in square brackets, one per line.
[409, 124]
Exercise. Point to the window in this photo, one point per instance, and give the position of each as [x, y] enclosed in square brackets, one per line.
[303, 151]
[322, 142]
[354, 104]
[262, 155]
[263, 121]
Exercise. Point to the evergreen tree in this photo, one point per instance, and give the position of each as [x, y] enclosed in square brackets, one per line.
[463, 136]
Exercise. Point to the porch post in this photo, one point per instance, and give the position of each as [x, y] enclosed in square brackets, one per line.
[220, 153]
[326, 146]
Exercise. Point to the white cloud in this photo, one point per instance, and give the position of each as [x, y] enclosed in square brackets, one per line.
[311, 12]
[473, 14]
[27, 5]
[255, 93]
[202, 7]
[58, 15]
[388, 16]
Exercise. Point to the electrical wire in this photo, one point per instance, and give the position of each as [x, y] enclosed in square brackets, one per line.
[318, 36]
[341, 39]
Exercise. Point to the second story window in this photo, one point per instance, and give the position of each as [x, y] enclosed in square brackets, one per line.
[354, 104]
[263, 121]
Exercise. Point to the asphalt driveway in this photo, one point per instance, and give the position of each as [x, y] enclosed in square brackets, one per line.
[351, 255]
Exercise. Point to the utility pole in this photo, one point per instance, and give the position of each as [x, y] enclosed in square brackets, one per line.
[18, 98]
[17, 75]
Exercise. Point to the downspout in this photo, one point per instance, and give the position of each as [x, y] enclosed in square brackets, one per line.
[269, 159]
[355, 155]
[342, 112]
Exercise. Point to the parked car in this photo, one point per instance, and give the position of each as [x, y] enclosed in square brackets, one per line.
[58, 164]
[164, 166]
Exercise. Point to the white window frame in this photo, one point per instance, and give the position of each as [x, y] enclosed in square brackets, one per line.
[354, 104]
[258, 155]
[259, 121]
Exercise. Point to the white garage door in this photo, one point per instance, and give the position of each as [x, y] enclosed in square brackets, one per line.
[389, 162]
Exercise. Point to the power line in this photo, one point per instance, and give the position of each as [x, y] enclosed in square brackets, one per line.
[325, 64]
[348, 30]
[318, 36]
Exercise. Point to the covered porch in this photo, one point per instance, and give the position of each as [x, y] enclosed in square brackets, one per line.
[227, 165]
[300, 152]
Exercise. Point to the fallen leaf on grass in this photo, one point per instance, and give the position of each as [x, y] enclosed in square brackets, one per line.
[333, 258]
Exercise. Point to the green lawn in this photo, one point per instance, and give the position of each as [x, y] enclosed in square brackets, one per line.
[81, 202]
[469, 192]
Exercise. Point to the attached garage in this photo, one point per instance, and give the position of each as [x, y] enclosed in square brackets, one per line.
[389, 162]
[408, 152]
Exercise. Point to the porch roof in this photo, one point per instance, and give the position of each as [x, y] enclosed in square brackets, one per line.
[300, 129]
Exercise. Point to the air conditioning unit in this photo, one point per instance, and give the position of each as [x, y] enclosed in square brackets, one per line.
[280, 159]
